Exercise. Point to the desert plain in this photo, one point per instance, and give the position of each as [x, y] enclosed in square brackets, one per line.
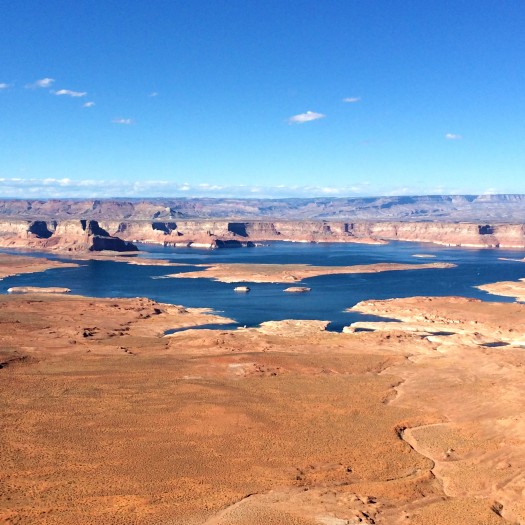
[105, 419]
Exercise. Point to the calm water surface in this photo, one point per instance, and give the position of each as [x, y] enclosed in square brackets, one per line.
[329, 297]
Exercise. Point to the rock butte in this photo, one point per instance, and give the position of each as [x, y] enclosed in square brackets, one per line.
[105, 420]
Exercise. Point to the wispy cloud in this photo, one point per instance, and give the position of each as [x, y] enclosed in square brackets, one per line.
[91, 188]
[153, 94]
[305, 117]
[124, 121]
[69, 93]
[89, 104]
[453, 136]
[352, 100]
[18, 187]
[3, 85]
[42, 83]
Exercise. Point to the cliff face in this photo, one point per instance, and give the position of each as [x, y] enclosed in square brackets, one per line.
[70, 236]
[450, 234]
[90, 235]
[480, 235]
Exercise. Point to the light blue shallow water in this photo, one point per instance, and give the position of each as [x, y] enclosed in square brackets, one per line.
[329, 297]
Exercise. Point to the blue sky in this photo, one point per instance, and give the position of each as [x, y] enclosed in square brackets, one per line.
[110, 98]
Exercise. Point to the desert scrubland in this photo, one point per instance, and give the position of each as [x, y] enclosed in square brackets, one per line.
[107, 420]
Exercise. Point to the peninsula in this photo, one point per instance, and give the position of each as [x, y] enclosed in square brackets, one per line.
[290, 273]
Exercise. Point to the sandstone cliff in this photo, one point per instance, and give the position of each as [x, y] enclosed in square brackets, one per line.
[210, 233]
[90, 235]
[70, 236]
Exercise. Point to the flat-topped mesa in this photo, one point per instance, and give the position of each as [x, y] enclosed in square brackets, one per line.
[479, 235]
[71, 236]
[92, 235]
[219, 233]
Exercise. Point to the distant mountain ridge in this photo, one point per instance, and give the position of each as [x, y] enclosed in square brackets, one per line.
[499, 208]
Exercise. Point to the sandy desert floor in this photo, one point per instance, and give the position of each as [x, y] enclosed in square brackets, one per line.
[106, 420]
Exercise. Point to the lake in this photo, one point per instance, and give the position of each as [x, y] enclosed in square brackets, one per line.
[329, 297]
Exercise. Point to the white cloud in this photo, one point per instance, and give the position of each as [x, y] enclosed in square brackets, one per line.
[3, 85]
[88, 104]
[91, 188]
[453, 136]
[17, 187]
[60, 182]
[124, 121]
[305, 117]
[153, 94]
[352, 100]
[70, 93]
[42, 83]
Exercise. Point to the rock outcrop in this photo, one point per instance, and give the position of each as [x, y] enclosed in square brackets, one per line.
[91, 235]
[214, 234]
[69, 236]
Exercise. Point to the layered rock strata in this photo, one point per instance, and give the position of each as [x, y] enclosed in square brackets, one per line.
[70, 236]
[91, 235]
[212, 233]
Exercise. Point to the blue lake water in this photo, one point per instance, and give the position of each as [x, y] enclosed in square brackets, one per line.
[329, 297]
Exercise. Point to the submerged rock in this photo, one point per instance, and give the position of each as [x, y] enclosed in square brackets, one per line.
[297, 289]
[38, 289]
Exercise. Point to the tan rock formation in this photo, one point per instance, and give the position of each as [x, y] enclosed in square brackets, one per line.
[289, 273]
[68, 236]
[506, 288]
[224, 233]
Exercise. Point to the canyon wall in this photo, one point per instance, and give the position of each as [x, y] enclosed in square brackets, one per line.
[76, 236]
[479, 235]
[90, 235]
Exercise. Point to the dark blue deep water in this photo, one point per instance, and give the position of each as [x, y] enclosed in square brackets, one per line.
[329, 297]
